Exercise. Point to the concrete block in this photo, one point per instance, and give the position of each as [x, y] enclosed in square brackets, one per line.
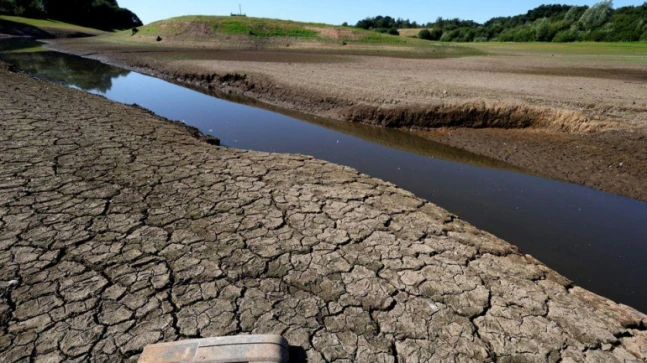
[233, 349]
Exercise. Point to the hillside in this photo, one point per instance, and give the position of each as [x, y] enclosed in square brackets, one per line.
[43, 28]
[204, 27]
[234, 32]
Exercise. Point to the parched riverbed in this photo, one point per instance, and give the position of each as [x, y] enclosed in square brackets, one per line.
[121, 229]
[596, 239]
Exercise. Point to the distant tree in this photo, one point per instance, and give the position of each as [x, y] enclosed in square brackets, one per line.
[469, 35]
[103, 14]
[597, 15]
[430, 34]
[542, 30]
[557, 23]
[7, 6]
[573, 14]
[20, 7]
[565, 36]
[344, 24]
[383, 24]
[424, 34]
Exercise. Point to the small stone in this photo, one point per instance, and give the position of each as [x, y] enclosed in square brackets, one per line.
[434, 307]
[14, 283]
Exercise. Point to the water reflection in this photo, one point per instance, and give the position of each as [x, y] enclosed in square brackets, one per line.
[392, 138]
[12, 44]
[65, 69]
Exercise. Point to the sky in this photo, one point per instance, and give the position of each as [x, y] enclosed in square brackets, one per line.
[338, 11]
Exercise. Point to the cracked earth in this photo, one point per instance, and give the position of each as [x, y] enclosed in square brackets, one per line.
[120, 229]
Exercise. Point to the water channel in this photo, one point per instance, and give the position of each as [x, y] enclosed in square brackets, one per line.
[596, 239]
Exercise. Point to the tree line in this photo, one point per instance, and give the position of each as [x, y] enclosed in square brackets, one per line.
[99, 14]
[546, 23]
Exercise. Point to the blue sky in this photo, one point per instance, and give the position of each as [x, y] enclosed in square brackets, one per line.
[339, 11]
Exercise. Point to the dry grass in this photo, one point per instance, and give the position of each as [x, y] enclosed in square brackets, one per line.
[409, 32]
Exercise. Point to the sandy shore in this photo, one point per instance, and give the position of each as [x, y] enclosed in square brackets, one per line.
[119, 229]
[577, 118]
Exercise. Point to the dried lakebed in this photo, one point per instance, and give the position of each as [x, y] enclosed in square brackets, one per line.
[595, 239]
[121, 229]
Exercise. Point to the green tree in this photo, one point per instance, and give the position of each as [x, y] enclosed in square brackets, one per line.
[7, 6]
[424, 34]
[103, 14]
[572, 15]
[542, 30]
[597, 15]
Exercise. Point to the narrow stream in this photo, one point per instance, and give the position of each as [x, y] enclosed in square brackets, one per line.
[596, 239]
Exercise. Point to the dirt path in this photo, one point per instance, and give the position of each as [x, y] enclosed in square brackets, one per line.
[578, 119]
[119, 229]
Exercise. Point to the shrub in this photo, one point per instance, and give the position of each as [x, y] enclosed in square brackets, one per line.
[524, 34]
[450, 36]
[469, 35]
[436, 34]
[424, 34]
[596, 36]
[566, 36]
[393, 31]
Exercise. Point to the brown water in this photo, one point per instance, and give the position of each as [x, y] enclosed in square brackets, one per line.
[597, 239]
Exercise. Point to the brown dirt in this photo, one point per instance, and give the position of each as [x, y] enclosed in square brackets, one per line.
[334, 33]
[576, 119]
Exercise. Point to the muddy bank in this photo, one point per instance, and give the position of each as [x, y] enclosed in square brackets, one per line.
[119, 229]
[477, 115]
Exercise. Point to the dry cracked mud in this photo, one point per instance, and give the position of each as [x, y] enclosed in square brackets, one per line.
[119, 229]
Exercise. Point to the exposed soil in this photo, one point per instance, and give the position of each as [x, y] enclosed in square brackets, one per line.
[120, 229]
[576, 119]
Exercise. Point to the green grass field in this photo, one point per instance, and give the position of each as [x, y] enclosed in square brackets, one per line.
[623, 53]
[51, 26]
[586, 48]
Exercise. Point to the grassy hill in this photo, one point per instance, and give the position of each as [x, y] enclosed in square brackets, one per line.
[259, 33]
[201, 27]
[43, 28]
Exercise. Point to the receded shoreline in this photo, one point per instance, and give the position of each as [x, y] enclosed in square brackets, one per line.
[558, 143]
